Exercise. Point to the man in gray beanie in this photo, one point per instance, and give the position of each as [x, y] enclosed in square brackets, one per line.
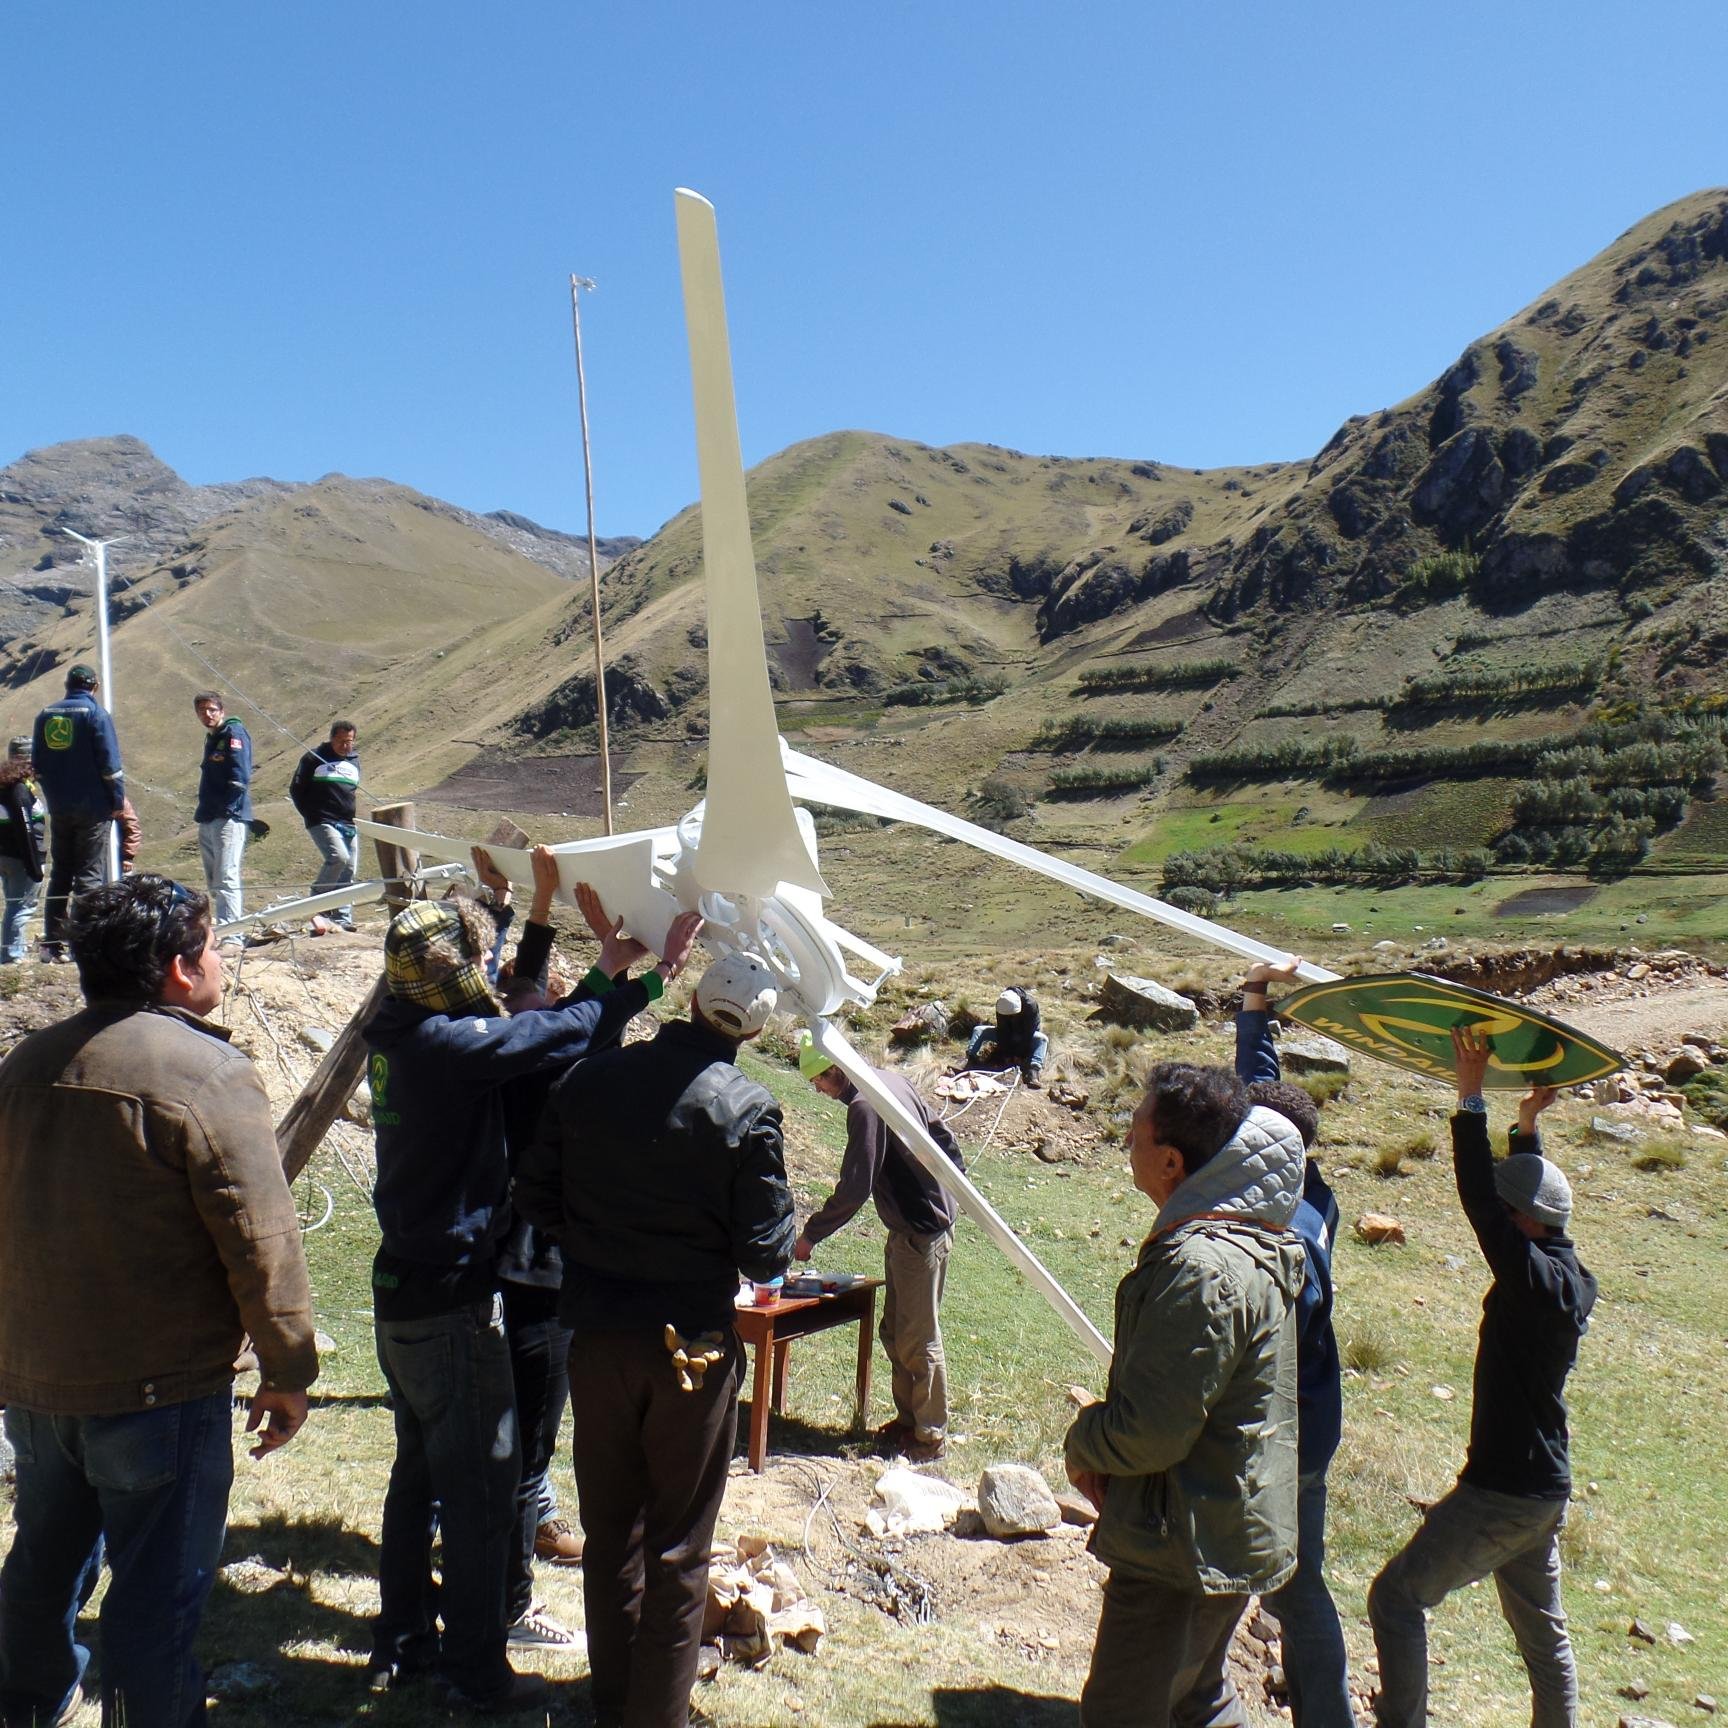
[1505, 1515]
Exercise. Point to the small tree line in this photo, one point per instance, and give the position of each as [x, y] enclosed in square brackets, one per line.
[1105, 777]
[934, 692]
[1500, 684]
[1227, 870]
[1078, 731]
[1144, 675]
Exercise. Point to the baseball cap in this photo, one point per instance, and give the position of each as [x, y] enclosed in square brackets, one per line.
[81, 676]
[811, 1061]
[1528, 1183]
[736, 995]
[1009, 1002]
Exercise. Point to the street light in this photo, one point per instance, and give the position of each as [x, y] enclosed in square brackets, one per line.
[104, 669]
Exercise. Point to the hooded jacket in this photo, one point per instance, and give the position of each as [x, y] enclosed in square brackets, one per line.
[1197, 1428]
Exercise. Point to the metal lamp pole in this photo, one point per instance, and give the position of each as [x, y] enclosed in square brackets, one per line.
[104, 671]
[577, 284]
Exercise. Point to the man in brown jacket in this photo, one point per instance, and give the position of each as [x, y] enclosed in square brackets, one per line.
[145, 1225]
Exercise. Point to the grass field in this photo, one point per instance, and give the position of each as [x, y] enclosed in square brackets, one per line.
[1650, 1400]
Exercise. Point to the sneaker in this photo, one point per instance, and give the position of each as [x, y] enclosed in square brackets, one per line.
[384, 1675]
[54, 954]
[558, 1542]
[537, 1630]
[519, 1692]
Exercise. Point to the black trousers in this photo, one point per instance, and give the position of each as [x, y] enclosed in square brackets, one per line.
[77, 852]
[539, 1366]
[651, 1463]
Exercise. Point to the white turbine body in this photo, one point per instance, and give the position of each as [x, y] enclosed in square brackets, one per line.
[746, 856]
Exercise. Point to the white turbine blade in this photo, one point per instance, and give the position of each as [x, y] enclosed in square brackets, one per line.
[621, 867]
[833, 1045]
[750, 839]
[822, 783]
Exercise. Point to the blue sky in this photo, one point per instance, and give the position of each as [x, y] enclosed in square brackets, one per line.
[287, 240]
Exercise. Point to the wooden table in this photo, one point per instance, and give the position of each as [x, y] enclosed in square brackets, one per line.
[772, 1328]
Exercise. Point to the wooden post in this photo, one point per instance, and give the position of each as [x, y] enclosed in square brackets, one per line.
[397, 862]
[307, 1120]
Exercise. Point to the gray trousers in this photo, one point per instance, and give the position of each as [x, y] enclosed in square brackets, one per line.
[1161, 1659]
[1467, 1536]
[911, 1331]
[221, 846]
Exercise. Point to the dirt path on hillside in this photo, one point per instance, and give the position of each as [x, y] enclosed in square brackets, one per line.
[1629, 1020]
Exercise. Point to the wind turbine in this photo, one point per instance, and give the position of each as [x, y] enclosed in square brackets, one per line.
[746, 856]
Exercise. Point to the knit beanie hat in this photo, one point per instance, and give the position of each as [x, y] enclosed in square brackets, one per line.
[433, 959]
[811, 1061]
[1528, 1183]
[1008, 1004]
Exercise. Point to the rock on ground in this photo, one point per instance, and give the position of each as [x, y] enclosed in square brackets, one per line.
[1014, 1500]
[1144, 1003]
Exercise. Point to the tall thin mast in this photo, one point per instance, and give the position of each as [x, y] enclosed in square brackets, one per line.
[105, 672]
[577, 284]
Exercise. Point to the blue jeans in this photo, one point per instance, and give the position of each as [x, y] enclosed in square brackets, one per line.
[153, 1485]
[21, 891]
[540, 1372]
[1315, 1664]
[453, 1399]
[221, 845]
[983, 1040]
[1466, 1536]
[339, 846]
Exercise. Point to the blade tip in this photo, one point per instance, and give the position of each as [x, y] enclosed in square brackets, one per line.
[685, 195]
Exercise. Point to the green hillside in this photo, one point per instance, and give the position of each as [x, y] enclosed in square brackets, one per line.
[1483, 629]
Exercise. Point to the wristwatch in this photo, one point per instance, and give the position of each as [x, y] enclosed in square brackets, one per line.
[1476, 1104]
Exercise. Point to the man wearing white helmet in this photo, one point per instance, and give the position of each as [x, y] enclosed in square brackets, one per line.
[1505, 1515]
[659, 1170]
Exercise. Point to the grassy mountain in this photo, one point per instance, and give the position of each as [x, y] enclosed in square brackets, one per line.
[1482, 628]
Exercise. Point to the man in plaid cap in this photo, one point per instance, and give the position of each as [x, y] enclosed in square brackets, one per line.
[441, 1056]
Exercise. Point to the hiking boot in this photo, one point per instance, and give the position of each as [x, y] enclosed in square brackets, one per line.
[918, 1451]
[537, 1630]
[1033, 1078]
[558, 1542]
[519, 1692]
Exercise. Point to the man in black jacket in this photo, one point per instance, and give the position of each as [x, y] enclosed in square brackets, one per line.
[323, 790]
[443, 1061]
[660, 1171]
[1505, 1515]
[919, 1214]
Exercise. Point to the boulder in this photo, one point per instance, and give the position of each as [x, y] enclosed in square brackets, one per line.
[1313, 1056]
[1014, 1500]
[1601, 1128]
[1077, 1509]
[1376, 1228]
[1143, 1003]
[1686, 1064]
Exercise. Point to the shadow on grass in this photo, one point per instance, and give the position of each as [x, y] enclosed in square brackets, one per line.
[320, 1543]
[998, 1707]
[792, 1436]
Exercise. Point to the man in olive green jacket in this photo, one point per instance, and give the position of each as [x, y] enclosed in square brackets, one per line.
[145, 1224]
[1191, 1456]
